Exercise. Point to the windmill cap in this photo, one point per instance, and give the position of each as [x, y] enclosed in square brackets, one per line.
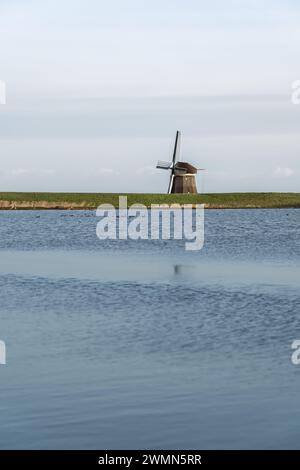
[187, 167]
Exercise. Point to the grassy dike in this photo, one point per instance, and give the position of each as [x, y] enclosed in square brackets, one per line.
[93, 200]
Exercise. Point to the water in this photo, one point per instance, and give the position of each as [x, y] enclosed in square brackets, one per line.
[140, 344]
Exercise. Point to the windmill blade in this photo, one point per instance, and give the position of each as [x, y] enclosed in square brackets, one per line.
[176, 152]
[170, 183]
[164, 165]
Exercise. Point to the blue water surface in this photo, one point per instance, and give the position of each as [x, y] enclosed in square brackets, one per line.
[141, 344]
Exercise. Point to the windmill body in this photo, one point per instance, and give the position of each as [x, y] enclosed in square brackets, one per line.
[182, 174]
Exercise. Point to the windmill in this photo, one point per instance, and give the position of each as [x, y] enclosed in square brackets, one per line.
[182, 177]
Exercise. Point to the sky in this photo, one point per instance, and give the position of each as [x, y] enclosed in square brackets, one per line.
[96, 90]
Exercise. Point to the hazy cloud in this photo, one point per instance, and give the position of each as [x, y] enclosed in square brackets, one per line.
[19, 172]
[96, 91]
[284, 172]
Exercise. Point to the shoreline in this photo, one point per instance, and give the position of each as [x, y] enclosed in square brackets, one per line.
[70, 207]
[90, 201]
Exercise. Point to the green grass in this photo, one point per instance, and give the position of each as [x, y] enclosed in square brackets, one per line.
[93, 200]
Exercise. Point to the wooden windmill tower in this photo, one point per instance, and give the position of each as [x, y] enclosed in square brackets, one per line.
[183, 174]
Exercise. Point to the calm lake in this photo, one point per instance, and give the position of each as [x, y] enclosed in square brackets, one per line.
[141, 344]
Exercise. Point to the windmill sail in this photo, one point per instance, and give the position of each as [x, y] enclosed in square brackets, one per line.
[176, 152]
[175, 158]
[170, 183]
[164, 165]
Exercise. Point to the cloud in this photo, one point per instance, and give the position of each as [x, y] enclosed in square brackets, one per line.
[104, 171]
[122, 48]
[146, 170]
[16, 172]
[284, 172]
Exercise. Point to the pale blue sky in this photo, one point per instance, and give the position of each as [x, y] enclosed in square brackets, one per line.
[97, 89]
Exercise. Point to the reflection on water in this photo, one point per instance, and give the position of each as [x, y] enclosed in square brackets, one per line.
[145, 268]
[142, 345]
